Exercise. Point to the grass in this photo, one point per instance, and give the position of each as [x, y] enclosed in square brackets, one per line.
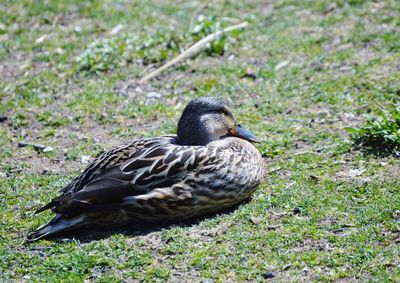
[303, 73]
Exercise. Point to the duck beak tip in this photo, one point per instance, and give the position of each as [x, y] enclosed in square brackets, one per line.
[243, 133]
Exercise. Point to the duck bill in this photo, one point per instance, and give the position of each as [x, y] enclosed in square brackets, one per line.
[244, 134]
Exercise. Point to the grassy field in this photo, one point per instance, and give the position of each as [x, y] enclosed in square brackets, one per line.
[302, 73]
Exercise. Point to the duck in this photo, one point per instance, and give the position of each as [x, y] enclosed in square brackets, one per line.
[211, 164]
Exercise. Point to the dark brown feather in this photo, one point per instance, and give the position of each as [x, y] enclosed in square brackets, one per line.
[98, 193]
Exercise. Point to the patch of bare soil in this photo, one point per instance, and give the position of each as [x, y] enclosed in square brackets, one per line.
[65, 138]
[149, 93]
[324, 115]
[14, 66]
[355, 171]
[29, 163]
[312, 244]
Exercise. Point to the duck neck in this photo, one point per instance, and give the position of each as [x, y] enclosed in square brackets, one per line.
[190, 133]
[193, 138]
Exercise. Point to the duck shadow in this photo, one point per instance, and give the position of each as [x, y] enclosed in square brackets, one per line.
[95, 233]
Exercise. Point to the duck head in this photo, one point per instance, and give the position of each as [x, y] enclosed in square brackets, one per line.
[207, 119]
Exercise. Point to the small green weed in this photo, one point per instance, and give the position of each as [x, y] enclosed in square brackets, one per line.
[101, 56]
[205, 26]
[158, 46]
[379, 135]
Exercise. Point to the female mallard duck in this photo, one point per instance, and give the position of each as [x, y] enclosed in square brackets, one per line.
[208, 166]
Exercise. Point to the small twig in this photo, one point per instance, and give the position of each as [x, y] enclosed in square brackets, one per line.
[35, 146]
[194, 49]
[290, 185]
[275, 169]
[145, 70]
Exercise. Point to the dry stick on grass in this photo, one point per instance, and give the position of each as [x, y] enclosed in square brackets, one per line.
[34, 145]
[193, 50]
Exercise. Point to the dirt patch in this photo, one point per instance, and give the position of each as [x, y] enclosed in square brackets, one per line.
[313, 245]
[14, 66]
[30, 162]
[357, 171]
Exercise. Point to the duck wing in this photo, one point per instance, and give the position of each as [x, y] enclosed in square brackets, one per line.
[158, 163]
[162, 166]
[111, 159]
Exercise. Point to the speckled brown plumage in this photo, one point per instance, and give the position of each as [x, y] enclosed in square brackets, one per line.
[164, 178]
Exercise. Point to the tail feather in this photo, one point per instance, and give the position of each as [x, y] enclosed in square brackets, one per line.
[56, 225]
[46, 207]
[54, 203]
